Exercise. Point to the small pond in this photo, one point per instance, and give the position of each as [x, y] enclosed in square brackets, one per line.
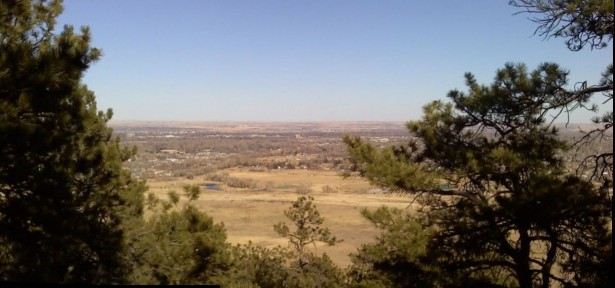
[211, 186]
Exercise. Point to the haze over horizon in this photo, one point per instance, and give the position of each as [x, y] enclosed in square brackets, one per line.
[289, 61]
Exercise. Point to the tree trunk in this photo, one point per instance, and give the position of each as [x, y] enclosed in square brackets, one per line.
[524, 274]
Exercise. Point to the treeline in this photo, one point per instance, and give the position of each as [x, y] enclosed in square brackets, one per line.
[261, 146]
[234, 182]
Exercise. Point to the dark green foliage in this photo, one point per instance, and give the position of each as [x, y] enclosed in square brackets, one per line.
[179, 246]
[396, 258]
[315, 271]
[255, 266]
[63, 192]
[488, 175]
[400, 257]
[594, 269]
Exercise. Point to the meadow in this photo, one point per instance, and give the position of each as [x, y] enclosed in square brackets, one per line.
[249, 214]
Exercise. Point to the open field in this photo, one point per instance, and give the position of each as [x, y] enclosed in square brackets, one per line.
[249, 214]
[250, 172]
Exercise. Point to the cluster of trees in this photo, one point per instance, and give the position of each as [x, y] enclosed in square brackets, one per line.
[182, 245]
[498, 209]
[234, 182]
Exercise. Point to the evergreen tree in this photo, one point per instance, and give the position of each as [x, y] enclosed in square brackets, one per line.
[489, 175]
[583, 23]
[395, 259]
[178, 244]
[63, 192]
[255, 266]
[307, 221]
[305, 269]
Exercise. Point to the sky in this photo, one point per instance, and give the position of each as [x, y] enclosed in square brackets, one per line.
[317, 60]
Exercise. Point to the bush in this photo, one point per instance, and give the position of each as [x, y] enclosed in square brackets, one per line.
[304, 189]
[328, 189]
[234, 182]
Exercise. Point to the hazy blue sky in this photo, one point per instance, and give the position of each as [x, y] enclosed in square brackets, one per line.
[304, 60]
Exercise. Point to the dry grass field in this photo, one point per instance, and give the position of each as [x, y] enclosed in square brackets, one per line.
[249, 214]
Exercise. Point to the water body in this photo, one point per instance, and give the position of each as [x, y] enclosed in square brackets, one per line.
[211, 186]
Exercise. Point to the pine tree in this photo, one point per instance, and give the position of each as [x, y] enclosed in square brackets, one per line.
[63, 191]
[489, 175]
[488, 171]
[308, 221]
[582, 23]
[178, 244]
[307, 269]
[394, 260]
